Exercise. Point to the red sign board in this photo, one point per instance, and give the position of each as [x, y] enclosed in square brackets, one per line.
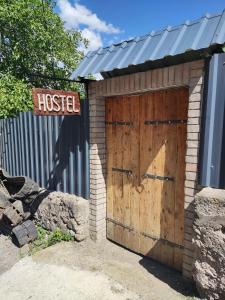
[55, 102]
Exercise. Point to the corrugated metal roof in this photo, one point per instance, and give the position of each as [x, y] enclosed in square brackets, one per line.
[190, 36]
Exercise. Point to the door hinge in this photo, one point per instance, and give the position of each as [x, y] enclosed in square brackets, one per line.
[153, 176]
[166, 242]
[116, 123]
[167, 122]
[128, 172]
[120, 224]
[153, 237]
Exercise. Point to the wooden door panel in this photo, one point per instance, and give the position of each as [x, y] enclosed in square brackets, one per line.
[146, 213]
[123, 155]
[110, 151]
[135, 141]
[126, 165]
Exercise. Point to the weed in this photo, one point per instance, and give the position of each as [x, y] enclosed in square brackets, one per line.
[47, 238]
[57, 236]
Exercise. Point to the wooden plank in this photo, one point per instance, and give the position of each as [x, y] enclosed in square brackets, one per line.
[146, 157]
[182, 105]
[145, 143]
[109, 157]
[167, 231]
[126, 149]
[127, 180]
[134, 166]
[118, 163]
[165, 255]
[157, 168]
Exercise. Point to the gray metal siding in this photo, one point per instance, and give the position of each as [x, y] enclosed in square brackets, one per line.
[53, 150]
[172, 41]
[212, 151]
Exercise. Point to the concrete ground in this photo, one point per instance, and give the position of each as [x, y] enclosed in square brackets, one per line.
[89, 271]
[9, 254]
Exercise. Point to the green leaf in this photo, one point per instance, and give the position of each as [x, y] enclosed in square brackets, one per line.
[33, 39]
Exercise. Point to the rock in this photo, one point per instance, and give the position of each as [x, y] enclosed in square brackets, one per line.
[4, 200]
[16, 213]
[24, 233]
[3, 189]
[12, 215]
[19, 187]
[64, 211]
[209, 241]
[4, 203]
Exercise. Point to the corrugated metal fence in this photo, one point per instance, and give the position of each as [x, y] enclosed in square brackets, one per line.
[53, 150]
[212, 154]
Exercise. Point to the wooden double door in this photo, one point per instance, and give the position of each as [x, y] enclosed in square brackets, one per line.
[146, 144]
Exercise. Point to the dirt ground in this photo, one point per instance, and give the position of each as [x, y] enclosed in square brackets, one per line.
[89, 271]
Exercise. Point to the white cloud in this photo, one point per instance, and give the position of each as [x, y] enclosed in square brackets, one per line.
[94, 38]
[77, 15]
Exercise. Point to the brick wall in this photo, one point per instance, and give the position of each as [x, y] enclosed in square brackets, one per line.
[188, 74]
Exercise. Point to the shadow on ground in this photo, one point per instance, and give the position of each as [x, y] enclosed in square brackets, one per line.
[170, 276]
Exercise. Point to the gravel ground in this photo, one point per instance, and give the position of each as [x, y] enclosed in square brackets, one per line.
[90, 271]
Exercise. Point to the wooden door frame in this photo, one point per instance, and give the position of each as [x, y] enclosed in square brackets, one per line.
[190, 75]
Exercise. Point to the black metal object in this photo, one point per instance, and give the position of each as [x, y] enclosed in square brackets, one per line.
[120, 224]
[153, 176]
[166, 242]
[153, 237]
[167, 122]
[212, 147]
[119, 123]
[128, 172]
[55, 78]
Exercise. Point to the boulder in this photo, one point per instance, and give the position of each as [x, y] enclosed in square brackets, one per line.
[64, 211]
[209, 241]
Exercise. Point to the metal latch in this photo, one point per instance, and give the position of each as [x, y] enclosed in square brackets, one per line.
[154, 176]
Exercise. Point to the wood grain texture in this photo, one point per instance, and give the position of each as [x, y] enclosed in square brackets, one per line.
[147, 215]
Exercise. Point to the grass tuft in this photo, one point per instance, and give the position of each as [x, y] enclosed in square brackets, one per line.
[48, 238]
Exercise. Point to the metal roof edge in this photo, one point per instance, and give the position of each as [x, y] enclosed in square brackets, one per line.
[158, 32]
[164, 62]
[167, 45]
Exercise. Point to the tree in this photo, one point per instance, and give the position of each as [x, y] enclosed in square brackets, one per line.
[33, 40]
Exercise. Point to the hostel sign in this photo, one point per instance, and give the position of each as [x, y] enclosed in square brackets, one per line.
[55, 102]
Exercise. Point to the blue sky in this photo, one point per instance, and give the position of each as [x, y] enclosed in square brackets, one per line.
[105, 22]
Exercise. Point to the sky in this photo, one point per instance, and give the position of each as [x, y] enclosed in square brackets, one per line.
[105, 22]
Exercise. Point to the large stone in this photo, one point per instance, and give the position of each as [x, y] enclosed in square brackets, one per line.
[24, 233]
[209, 241]
[4, 202]
[16, 213]
[64, 211]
